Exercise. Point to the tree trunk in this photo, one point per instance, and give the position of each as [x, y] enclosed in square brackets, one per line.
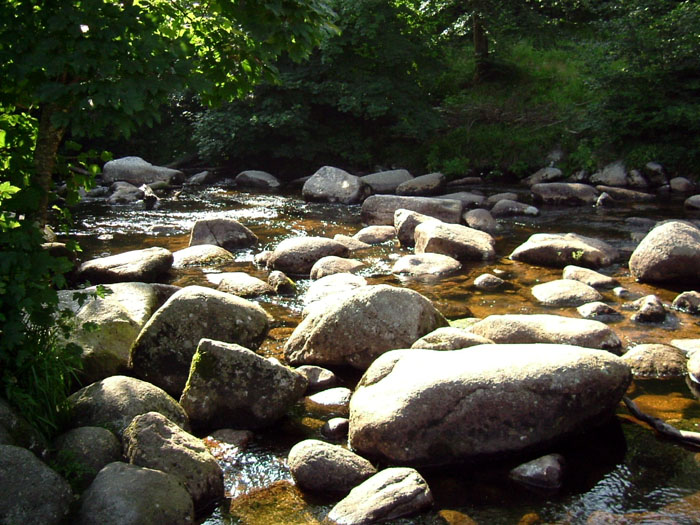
[47, 142]
[481, 48]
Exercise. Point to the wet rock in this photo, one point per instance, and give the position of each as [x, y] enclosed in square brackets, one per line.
[588, 276]
[331, 184]
[429, 184]
[357, 329]
[113, 402]
[153, 441]
[480, 402]
[548, 174]
[650, 309]
[227, 233]
[386, 181]
[336, 428]
[87, 450]
[331, 401]
[605, 201]
[380, 209]
[319, 378]
[392, 493]
[163, 350]
[263, 258]
[243, 285]
[321, 467]
[670, 252]
[481, 219]
[493, 199]
[201, 255]
[238, 438]
[405, 223]
[449, 338]
[201, 178]
[688, 302]
[297, 255]
[544, 328]
[106, 327]
[454, 240]
[124, 494]
[508, 208]
[487, 281]
[599, 311]
[658, 361]
[692, 203]
[564, 193]
[282, 284]
[565, 292]
[694, 367]
[545, 473]
[146, 265]
[30, 492]
[614, 174]
[376, 234]
[231, 385]
[622, 292]
[331, 265]
[137, 171]
[558, 250]
[426, 265]
[124, 193]
[351, 243]
[467, 198]
[681, 185]
[257, 179]
[625, 195]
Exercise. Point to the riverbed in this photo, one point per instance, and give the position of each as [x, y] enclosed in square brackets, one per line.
[619, 468]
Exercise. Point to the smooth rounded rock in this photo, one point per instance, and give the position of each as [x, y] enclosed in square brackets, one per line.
[405, 223]
[559, 250]
[386, 181]
[90, 448]
[508, 208]
[331, 401]
[297, 255]
[688, 302]
[599, 311]
[657, 361]
[317, 466]
[376, 234]
[319, 378]
[548, 174]
[147, 265]
[336, 428]
[331, 184]
[242, 284]
[281, 284]
[431, 265]
[650, 309]
[380, 209]
[589, 277]
[564, 194]
[201, 255]
[449, 338]
[670, 252]
[487, 281]
[429, 184]
[257, 179]
[565, 292]
[227, 233]
[694, 367]
[481, 219]
[331, 265]
[137, 171]
[456, 241]
[546, 472]
[614, 174]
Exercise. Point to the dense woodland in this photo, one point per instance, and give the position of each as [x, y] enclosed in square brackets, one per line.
[495, 87]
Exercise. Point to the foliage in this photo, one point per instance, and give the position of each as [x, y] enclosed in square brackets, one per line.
[363, 98]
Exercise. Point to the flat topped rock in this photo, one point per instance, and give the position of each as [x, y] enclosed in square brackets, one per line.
[457, 241]
[379, 209]
[589, 277]
[426, 265]
[257, 179]
[201, 255]
[558, 250]
[386, 181]
[564, 193]
[297, 255]
[565, 292]
[146, 265]
[241, 284]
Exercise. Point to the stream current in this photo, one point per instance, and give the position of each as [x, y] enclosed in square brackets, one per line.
[618, 469]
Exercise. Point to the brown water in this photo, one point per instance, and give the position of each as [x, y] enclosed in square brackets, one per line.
[622, 468]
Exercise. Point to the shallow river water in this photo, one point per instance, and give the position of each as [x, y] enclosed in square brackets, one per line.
[619, 469]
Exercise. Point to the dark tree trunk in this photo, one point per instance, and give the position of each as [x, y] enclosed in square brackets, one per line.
[48, 140]
[481, 48]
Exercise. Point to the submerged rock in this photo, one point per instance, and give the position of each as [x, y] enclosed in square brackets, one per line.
[391, 494]
[509, 208]
[355, 330]
[424, 407]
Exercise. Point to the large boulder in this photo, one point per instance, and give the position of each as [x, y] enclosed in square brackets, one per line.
[390, 494]
[88, 449]
[30, 492]
[669, 252]
[106, 327]
[147, 265]
[137, 171]
[426, 407]
[380, 209]
[153, 441]
[559, 250]
[113, 402]
[424, 185]
[124, 193]
[614, 174]
[564, 193]
[321, 467]
[231, 385]
[124, 494]
[386, 181]
[405, 222]
[545, 328]
[331, 184]
[457, 241]
[331, 288]
[297, 255]
[358, 328]
[163, 351]
[227, 233]
[548, 174]
[657, 361]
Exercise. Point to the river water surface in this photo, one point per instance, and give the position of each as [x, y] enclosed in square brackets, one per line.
[619, 469]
